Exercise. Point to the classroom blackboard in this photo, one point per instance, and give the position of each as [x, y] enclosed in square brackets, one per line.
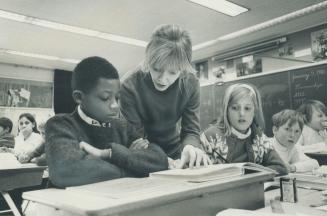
[280, 90]
[308, 83]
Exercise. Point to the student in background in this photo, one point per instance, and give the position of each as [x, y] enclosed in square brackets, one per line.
[92, 144]
[238, 136]
[162, 92]
[7, 140]
[314, 134]
[28, 139]
[287, 128]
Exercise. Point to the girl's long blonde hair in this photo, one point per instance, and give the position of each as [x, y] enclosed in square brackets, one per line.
[236, 92]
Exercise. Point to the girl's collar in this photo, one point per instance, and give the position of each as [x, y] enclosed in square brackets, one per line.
[241, 135]
[90, 120]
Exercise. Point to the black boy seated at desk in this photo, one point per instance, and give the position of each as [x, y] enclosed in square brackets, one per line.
[92, 144]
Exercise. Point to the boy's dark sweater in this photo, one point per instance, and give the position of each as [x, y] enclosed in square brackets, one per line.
[70, 166]
[7, 140]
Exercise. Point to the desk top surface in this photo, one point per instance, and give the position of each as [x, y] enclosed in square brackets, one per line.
[306, 198]
[128, 194]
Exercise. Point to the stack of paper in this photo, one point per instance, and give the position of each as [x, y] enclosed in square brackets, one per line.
[203, 174]
[8, 161]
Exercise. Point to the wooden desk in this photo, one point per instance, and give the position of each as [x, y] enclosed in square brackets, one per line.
[321, 157]
[153, 196]
[18, 178]
[306, 198]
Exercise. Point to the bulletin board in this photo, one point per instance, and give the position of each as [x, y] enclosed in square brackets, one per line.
[25, 93]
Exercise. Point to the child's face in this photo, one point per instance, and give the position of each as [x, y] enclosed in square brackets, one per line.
[162, 79]
[25, 126]
[287, 135]
[241, 113]
[101, 102]
[318, 121]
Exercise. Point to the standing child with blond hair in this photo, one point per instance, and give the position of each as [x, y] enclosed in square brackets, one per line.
[163, 92]
[238, 136]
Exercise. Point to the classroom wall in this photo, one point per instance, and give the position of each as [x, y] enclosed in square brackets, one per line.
[25, 73]
[296, 51]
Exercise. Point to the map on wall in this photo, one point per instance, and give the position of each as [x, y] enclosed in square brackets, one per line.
[25, 93]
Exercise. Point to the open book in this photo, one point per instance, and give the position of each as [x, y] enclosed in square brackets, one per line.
[203, 174]
[210, 173]
[9, 161]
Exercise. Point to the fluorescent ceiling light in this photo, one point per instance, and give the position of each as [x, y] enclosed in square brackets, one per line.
[72, 29]
[39, 56]
[264, 25]
[222, 6]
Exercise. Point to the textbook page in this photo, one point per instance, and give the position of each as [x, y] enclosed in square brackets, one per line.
[9, 161]
[202, 174]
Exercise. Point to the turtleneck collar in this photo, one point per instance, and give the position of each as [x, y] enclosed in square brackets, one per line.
[240, 135]
[90, 120]
[279, 146]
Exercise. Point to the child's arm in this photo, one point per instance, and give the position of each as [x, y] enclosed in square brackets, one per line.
[272, 160]
[138, 161]
[302, 162]
[68, 164]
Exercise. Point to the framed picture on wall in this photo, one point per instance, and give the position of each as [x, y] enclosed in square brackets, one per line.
[319, 44]
[202, 70]
[25, 93]
[250, 67]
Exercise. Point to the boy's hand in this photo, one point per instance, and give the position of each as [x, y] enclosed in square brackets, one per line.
[90, 149]
[173, 164]
[98, 153]
[140, 144]
[291, 168]
[194, 157]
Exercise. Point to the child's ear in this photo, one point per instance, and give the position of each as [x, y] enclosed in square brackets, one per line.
[78, 96]
[274, 129]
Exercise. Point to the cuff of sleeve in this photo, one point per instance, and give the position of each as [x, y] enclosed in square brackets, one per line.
[192, 140]
[119, 155]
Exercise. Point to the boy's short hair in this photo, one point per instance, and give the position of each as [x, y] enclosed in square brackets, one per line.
[287, 115]
[87, 73]
[307, 109]
[6, 123]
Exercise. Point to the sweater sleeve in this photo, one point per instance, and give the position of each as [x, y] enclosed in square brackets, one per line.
[190, 131]
[139, 162]
[128, 108]
[272, 160]
[68, 164]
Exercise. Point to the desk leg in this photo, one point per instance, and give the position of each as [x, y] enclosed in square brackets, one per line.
[11, 203]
